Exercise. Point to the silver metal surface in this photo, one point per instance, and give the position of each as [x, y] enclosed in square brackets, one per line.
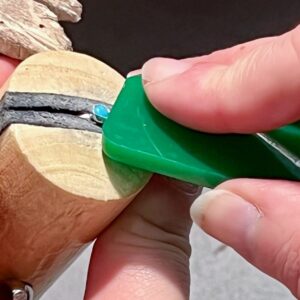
[25, 293]
[29, 292]
[19, 294]
[282, 150]
[18, 290]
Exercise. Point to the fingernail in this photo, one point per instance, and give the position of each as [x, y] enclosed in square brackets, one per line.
[186, 188]
[158, 69]
[225, 215]
[134, 73]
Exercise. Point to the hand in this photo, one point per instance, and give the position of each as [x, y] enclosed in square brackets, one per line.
[249, 88]
[7, 66]
[145, 253]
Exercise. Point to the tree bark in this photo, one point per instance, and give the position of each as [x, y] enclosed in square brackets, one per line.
[66, 10]
[28, 27]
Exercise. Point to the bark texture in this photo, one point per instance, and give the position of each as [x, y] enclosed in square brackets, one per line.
[28, 27]
[66, 10]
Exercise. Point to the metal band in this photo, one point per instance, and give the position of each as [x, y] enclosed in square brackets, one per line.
[16, 290]
[25, 293]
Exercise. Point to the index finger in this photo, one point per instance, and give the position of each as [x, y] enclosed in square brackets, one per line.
[254, 92]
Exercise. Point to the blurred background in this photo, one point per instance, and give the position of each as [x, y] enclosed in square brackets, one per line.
[124, 34]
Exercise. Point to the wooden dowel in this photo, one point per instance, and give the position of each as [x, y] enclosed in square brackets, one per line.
[57, 189]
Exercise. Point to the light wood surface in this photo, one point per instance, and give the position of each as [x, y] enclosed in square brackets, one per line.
[57, 190]
[66, 10]
[29, 26]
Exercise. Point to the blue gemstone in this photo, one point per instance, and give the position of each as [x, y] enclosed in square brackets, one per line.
[101, 112]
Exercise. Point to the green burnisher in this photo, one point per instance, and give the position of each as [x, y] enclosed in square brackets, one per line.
[138, 135]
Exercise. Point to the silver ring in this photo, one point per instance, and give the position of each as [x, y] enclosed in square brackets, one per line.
[18, 290]
[25, 293]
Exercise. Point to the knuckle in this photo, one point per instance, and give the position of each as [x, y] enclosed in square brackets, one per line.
[295, 42]
[287, 260]
[166, 238]
[155, 238]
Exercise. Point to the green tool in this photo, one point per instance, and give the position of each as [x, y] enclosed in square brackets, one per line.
[138, 135]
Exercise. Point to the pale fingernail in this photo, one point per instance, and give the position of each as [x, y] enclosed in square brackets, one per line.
[134, 73]
[158, 69]
[225, 215]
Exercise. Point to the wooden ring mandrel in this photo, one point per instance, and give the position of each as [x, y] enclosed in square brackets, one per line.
[49, 110]
[57, 190]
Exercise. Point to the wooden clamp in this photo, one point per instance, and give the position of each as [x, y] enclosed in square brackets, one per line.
[57, 189]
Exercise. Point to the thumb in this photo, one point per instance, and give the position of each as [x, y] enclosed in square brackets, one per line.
[7, 66]
[260, 220]
[232, 90]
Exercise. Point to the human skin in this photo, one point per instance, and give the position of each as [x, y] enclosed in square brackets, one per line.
[145, 253]
[253, 87]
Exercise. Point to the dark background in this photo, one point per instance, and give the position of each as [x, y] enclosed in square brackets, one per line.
[125, 33]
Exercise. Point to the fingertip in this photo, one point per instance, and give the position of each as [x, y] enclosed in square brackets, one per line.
[158, 76]
[176, 89]
[260, 220]
[159, 69]
[226, 216]
[7, 66]
[7, 62]
[230, 91]
[134, 73]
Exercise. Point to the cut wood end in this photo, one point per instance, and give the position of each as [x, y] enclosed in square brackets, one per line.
[57, 190]
[72, 159]
[74, 162]
[56, 71]
[28, 27]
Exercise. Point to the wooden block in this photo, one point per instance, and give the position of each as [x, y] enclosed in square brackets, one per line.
[28, 27]
[57, 189]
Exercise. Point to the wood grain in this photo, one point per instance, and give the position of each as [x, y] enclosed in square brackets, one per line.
[66, 10]
[28, 27]
[57, 189]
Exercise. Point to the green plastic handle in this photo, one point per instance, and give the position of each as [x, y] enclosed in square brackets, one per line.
[138, 135]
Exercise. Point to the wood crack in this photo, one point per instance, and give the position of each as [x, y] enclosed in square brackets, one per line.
[28, 27]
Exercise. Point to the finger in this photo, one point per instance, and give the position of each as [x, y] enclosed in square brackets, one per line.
[134, 73]
[7, 66]
[163, 67]
[260, 220]
[255, 91]
[221, 57]
[145, 253]
[229, 55]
